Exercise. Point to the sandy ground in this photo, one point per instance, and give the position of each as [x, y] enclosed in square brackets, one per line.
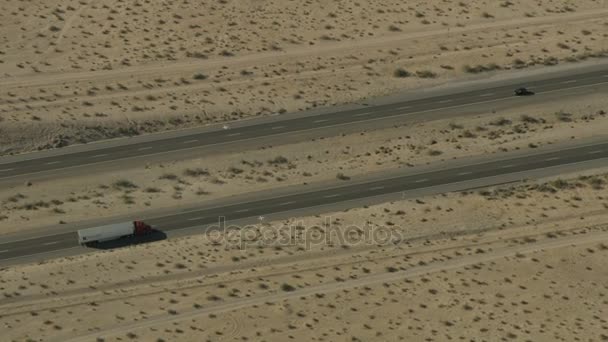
[525, 263]
[203, 180]
[76, 71]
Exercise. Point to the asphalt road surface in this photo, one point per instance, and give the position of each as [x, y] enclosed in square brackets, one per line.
[269, 205]
[360, 115]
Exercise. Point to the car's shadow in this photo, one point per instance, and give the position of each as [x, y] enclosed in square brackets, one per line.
[155, 235]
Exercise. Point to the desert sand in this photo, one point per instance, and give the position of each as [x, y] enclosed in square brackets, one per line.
[72, 72]
[519, 263]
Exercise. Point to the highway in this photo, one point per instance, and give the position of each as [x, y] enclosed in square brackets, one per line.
[265, 205]
[33, 163]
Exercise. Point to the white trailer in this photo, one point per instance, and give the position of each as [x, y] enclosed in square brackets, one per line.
[112, 232]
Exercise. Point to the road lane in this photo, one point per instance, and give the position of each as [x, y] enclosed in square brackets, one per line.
[267, 205]
[361, 115]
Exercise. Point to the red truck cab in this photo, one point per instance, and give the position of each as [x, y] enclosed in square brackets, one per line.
[141, 228]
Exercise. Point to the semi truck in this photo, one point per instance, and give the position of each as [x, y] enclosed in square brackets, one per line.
[92, 236]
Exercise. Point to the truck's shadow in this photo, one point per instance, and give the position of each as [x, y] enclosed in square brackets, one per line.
[155, 235]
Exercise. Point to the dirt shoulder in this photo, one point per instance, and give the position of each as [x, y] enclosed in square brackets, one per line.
[81, 72]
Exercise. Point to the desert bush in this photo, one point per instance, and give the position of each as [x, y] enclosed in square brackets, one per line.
[456, 126]
[287, 288]
[342, 176]
[199, 76]
[168, 176]
[500, 122]
[481, 68]
[401, 73]
[529, 119]
[196, 172]
[15, 198]
[469, 134]
[278, 160]
[235, 170]
[124, 184]
[550, 61]
[198, 55]
[563, 116]
[426, 74]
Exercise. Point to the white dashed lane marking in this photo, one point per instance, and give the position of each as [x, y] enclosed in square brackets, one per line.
[6, 170]
[144, 148]
[53, 162]
[190, 141]
[51, 243]
[195, 218]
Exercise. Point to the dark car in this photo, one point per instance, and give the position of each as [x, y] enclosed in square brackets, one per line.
[523, 92]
